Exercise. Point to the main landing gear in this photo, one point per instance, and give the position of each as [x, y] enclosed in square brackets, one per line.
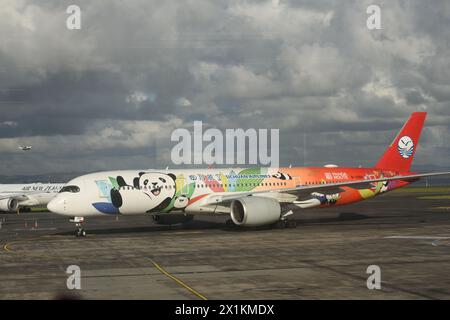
[79, 232]
[285, 222]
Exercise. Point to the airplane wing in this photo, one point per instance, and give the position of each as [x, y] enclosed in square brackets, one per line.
[17, 196]
[20, 196]
[329, 188]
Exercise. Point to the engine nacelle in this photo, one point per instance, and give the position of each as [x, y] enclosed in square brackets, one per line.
[172, 218]
[9, 205]
[255, 211]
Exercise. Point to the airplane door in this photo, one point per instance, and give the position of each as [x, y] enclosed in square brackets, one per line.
[181, 184]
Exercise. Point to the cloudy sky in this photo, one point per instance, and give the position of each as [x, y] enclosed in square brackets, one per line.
[109, 95]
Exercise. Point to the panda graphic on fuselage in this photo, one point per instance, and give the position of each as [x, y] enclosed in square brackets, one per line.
[159, 187]
[384, 186]
[150, 192]
[282, 176]
[181, 202]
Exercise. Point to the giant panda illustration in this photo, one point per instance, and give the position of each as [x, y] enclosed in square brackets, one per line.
[384, 186]
[282, 176]
[150, 192]
[181, 202]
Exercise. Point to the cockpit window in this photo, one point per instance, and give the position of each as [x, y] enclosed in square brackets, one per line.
[71, 189]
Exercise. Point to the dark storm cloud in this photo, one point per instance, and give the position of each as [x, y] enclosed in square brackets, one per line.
[414, 97]
[113, 91]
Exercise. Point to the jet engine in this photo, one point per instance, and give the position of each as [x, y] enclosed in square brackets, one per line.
[255, 211]
[9, 204]
[172, 218]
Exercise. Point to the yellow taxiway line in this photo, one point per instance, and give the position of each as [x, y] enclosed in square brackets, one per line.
[5, 247]
[180, 282]
[157, 266]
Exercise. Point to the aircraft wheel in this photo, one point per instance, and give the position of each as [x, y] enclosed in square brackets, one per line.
[291, 224]
[280, 224]
[80, 233]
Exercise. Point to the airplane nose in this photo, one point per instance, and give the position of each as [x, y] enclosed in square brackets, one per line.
[57, 205]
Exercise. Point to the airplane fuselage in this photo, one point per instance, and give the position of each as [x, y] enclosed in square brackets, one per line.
[30, 194]
[163, 191]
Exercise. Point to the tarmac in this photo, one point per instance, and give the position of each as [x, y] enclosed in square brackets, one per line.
[325, 257]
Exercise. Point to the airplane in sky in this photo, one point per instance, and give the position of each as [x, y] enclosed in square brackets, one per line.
[25, 148]
[251, 196]
[14, 196]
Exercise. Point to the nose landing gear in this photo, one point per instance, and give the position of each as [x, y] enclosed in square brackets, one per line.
[79, 232]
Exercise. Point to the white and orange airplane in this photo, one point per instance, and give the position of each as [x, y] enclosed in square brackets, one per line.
[251, 196]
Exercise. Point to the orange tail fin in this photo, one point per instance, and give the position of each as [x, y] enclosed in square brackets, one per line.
[400, 153]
